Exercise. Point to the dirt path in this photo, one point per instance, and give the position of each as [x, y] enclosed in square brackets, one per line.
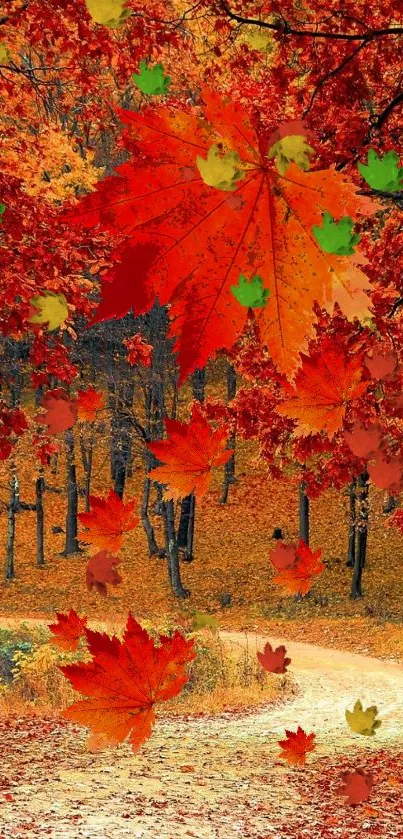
[218, 778]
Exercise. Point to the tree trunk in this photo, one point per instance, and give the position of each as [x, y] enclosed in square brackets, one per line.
[9, 570]
[229, 467]
[361, 538]
[303, 514]
[39, 490]
[390, 504]
[352, 525]
[186, 527]
[87, 457]
[71, 543]
[172, 552]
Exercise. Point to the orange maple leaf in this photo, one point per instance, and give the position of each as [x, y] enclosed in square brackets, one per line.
[124, 680]
[89, 402]
[298, 579]
[68, 630]
[296, 746]
[189, 455]
[108, 520]
[200, 239]
[326, 383]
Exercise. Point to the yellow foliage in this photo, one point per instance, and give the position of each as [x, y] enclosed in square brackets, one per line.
[49, 167]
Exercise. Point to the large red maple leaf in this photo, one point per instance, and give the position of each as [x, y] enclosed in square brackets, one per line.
[326, 383]
[299, 577]
[124, 681]
[68, 630]
[189, 242]
[296, 745]
[189, 455]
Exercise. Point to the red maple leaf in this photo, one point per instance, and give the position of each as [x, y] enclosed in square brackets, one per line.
[283, 556]
[386, 473]
[274, 661]
[296, 746]
[189, 455]
[326, 383]
[89, 402]
[108, 520]
[101, 570]
[61, 411]
[68, 630]
[124, 680]
[381, 365]
[298, 579]
[356, 787]
[188, 242]
[362, 441]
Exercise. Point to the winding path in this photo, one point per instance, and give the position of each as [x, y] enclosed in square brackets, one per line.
[210, 778]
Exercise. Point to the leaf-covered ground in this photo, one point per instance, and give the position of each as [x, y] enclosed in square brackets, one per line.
[232, 547]
[218, 778]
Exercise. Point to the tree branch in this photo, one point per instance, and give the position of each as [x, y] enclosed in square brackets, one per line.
[284, 28]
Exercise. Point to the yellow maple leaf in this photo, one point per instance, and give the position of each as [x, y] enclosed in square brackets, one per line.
[259, 39]
[108, 12]
[292, 149]
[363, 722]
[52, 309]
[221, 172]
[4, 54]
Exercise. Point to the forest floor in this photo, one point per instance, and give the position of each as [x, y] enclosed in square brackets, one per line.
[218, 777]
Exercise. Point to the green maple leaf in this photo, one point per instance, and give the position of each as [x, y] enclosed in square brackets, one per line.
[336, 236]
[2, 210]
[293, 148]
[221, 172]
[382, 173]
[201, 619]
[110, 13]
[250, 292]
[363, 722]
[151, 80]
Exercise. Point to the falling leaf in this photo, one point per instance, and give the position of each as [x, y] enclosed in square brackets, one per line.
[2, 211]
[274, 661]
[220, 172]
[292, 149]
[298, 579]
[188, 243]
[151, 80]
[250, 292]
[283, 556]
[362, 441]
[189, 456]
[363, 722]
[101, 570]
[61, 411]
[89, 402]
[68, 630]
[201, 619]
[124, 681]
[109, 519]
[52, 309]
[382, 173]
[296, 746]
[326, 383]
[356, 787]
[111, 13]
[336, 236]
[386, 473]
[381, 365]
[4, 54]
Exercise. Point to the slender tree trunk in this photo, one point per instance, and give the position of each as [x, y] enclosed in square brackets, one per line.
[172, 552]
[352, 525]
[229, 467]
[71, 543]
[9, 570]
[87, 458]
[390, 504]
[39, 490]
[188, 505]
[361, 538]
[303, 514]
